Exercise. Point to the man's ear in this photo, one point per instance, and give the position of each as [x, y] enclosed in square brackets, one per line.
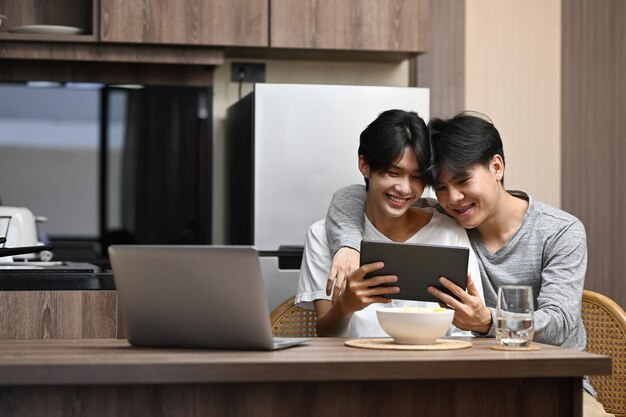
[364, 167]
[497, 166]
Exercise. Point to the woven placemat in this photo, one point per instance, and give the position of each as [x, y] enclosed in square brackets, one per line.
[378, 343]
[519, 349]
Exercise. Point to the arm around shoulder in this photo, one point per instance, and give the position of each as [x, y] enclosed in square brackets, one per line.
[345, 217]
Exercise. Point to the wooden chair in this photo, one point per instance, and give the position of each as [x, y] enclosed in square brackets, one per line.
[289, 320]
[605, 323]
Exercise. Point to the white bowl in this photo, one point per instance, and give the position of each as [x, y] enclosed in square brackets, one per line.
[414, 325]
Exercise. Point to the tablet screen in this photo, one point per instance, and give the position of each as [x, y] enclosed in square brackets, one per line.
[417, 266]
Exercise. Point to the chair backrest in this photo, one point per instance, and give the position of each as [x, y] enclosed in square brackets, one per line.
[289, 320]
[605, 323]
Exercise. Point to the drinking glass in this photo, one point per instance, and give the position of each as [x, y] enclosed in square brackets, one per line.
[514, 316]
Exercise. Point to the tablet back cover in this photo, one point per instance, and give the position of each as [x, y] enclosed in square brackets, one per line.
[417, 266]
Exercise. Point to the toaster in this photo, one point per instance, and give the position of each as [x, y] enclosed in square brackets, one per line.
[19, 226]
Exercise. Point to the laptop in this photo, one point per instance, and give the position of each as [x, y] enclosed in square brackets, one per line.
[194, 297]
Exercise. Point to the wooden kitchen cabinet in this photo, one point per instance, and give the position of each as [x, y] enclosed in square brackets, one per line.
[368, 25]
[58, 314]
[190, 22]
[81, 14]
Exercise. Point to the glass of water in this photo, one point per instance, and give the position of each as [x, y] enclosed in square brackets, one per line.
[514, 316]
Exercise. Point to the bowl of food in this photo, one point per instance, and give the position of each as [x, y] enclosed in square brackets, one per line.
[415, 325]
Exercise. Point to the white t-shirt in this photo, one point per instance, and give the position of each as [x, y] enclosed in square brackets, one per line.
[317, 260]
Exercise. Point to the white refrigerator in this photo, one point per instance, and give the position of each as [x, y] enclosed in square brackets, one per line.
[290, 147]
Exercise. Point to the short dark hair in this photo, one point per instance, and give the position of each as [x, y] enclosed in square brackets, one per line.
[383, 142]
[467, 139]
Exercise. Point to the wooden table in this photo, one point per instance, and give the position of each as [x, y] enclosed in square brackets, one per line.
[67, 378]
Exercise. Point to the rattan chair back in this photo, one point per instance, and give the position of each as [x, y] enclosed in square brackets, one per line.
[605, 323]
[289, 320]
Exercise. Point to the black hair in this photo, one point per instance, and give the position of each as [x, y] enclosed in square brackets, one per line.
[467, 139]
[383, 142]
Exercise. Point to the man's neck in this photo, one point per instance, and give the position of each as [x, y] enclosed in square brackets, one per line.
[506, 220]
[398, 229]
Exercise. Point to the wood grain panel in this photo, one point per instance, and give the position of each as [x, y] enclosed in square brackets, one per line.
[442, 67]
[105, 72]
[99, 314]
[57, 314]
[514, 398]
[120, 325]
[111, 53]
[593, 142]
[393, 25]
[72, 362]
[192, 22]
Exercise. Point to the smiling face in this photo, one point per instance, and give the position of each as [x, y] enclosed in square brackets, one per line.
[392, 192]
[472, 196]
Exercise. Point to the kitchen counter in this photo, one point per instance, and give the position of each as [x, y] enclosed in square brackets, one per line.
[54, 276]
[64, 301]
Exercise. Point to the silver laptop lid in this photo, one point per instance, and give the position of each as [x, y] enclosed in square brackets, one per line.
[192, 296]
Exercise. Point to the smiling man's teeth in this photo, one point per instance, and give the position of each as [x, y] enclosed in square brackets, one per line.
[396, 199]
[463, 209]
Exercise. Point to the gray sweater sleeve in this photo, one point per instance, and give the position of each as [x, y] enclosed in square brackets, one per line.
[345, 217]
[557, 317]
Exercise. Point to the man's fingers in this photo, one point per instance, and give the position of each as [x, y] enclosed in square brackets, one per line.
[329, 286]
[471, 288]
[372, 292]
[367, 268]
[378, 299]
[332, 277]
[445, 298]
[340, 281]
[453, 288]
[338, 289]
[381, 279]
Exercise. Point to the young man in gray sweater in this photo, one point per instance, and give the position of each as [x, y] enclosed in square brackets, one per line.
[517, 240]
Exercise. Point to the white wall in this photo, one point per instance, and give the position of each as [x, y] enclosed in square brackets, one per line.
[513, 74]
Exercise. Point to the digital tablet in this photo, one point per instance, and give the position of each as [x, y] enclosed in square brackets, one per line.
[417, 266]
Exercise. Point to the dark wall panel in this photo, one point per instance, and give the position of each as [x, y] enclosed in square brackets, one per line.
[594, 135]
[442, 68]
